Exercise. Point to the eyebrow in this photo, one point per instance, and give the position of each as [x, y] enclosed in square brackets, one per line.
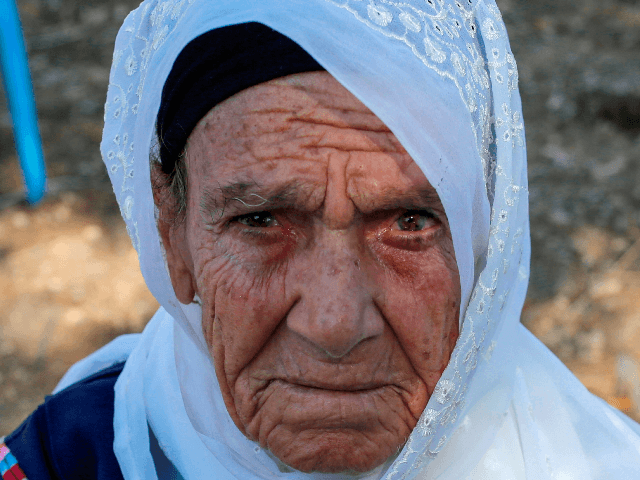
[245, 194]
[421, 198]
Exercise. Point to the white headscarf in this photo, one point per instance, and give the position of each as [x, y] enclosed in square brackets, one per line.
[441, 75]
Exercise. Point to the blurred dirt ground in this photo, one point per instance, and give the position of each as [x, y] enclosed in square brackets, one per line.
[69, 277]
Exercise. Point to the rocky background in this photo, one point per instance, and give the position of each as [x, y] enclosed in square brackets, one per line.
[69, 277]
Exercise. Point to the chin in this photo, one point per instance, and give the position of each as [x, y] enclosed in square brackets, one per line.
[334, 452]
[321, 430]
[314, 429]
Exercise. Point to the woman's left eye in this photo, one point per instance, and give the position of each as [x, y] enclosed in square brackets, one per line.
[258, 220]
[415, 220]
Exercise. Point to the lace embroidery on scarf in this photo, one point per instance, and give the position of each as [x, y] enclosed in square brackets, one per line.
[444, 38]
[143, 32]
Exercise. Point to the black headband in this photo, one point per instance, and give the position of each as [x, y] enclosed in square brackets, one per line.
[215, 66]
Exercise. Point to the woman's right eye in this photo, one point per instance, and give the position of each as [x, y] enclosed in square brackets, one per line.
[258, 220]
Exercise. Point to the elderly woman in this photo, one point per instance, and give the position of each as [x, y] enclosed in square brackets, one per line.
[334, 219]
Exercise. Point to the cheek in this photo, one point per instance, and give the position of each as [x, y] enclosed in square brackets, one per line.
[242, 304]
[421, 300]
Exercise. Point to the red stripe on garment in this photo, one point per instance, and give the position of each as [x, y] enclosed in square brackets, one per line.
[14, 473]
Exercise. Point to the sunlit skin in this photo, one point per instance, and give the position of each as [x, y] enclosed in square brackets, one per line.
[325, 266]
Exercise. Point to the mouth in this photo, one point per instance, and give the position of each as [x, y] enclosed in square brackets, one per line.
[321, 394]
[326, 406]
[359, 387]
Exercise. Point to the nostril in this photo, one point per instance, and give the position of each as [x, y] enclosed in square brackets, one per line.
[336, 351]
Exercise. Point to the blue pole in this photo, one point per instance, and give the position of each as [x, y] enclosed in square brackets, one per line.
[17, 82]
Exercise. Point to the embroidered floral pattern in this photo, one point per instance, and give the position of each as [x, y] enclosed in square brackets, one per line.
[143, 33]
[443, 35]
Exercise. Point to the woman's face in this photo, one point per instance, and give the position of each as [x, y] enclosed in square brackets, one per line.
[325, 265]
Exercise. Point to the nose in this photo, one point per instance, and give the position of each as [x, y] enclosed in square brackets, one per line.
[336, 311]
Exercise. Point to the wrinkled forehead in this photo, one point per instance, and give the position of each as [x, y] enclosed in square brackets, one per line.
[283, 139]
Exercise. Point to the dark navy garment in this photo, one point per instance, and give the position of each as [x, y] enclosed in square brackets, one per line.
[70, 436]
